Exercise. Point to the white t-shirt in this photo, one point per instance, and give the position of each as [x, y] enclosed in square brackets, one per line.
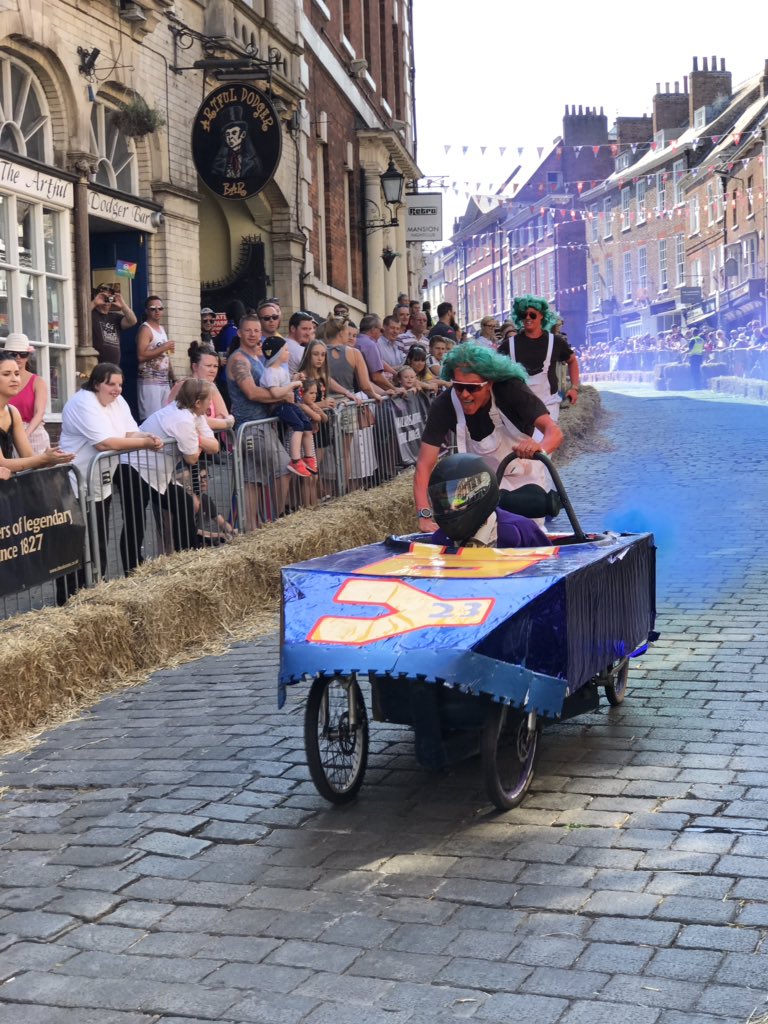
[296, 354]
[275, 376]
[85, 422]
[172, 424]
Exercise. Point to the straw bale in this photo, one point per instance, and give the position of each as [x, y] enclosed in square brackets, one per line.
[173, 609]
[57, 657]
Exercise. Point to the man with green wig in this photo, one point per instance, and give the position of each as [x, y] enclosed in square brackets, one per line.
[493, 413]
[537, 348]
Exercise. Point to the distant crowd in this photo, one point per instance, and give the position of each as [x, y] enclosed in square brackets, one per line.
[743, 350]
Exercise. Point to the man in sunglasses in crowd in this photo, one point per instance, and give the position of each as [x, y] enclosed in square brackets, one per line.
[539, 350]
[269, 314]
[493, 413]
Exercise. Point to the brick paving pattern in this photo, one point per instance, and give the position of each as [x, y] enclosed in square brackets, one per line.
[166, 859]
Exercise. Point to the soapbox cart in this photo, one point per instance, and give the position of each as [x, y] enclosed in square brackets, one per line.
[473, 648]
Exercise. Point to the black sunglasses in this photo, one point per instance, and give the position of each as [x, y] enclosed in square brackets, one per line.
[530, 315]
[471, 386]
[272, 316]
[155, 309]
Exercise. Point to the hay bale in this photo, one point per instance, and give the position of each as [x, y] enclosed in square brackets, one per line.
[175, 608]
[59, 657]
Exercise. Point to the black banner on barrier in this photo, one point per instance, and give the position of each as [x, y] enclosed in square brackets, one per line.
[42, 531]
[409, 412]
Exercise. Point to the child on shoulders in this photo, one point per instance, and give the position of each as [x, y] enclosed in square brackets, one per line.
[276, 375]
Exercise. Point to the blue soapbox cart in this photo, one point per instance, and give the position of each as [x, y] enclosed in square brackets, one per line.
[473, 648]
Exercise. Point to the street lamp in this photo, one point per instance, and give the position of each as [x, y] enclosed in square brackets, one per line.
[392, 182]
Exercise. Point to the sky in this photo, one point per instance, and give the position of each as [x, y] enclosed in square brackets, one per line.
[488, 76]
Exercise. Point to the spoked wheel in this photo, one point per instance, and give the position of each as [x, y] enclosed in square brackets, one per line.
[336, 737]
[508, 750]
[616, 688]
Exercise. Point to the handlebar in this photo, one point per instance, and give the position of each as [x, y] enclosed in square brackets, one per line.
[578, 533]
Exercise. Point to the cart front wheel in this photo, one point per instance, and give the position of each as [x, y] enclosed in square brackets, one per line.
[336, 737]
[616, 689]
[508, 750]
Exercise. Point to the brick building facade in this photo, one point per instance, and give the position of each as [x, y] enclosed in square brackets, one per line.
[659, 221]
[77, 193]
[676, 233]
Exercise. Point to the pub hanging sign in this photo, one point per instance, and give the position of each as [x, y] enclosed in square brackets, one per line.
[236, 141]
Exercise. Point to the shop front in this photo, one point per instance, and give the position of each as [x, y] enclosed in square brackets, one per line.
[35, 268]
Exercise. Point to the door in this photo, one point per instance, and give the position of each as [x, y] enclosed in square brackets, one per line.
[106, 249]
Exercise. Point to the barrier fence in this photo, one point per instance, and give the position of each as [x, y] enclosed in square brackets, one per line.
[143, 504]
[735, 362]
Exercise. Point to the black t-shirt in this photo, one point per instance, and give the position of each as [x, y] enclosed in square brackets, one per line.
[530, 353]
[513, 398]
[105, 329]
[441, 330]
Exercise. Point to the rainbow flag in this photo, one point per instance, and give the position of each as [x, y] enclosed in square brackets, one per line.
[125, 269]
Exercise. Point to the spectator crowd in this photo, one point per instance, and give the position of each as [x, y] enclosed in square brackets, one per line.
[742, 351]
[276, 411]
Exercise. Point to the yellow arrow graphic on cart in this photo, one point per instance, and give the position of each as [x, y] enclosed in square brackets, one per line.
[407, 609]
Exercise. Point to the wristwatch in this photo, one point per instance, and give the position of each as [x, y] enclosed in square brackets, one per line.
[425, 513]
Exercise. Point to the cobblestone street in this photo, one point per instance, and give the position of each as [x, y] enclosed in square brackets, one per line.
[166, 858]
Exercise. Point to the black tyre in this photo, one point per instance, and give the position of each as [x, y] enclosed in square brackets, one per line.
[508, 750]
[336, 738]
[616, 689]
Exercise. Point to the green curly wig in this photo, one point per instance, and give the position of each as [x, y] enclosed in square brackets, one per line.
[482, 361]
[549, 317]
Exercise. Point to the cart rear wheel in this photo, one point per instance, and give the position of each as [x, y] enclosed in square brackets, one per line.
[508, 750]
[336, 737]
[616, 690]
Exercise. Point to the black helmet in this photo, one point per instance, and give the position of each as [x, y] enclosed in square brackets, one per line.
[462, 494]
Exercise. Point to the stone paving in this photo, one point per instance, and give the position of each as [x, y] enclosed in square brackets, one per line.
[166, 859]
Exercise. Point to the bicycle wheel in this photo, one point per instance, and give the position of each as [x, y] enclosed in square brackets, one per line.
[616, 690]
[508, 750]
[336, 737]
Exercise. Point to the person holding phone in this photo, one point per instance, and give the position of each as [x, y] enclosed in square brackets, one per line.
[110, 314]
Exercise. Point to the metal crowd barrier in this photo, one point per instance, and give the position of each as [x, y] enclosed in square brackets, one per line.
[737, 362]
[145, 504]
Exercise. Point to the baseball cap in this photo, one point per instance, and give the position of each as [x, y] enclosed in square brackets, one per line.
[271, 348]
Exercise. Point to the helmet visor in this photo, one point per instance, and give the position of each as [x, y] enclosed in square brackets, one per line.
[456, 495]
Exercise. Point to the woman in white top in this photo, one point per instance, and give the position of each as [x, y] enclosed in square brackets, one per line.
[152, 478]
[97, 419]
[153, 350]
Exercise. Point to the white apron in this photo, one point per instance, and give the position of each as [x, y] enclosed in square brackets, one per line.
[539, 382]
[500, 442]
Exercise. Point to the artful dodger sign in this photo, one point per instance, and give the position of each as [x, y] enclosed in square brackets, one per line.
[236, 141]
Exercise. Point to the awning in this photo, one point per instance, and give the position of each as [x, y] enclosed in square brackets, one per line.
[737, 311]
[701, 317]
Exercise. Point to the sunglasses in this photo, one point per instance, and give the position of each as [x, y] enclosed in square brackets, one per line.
[531, 316]
[155, 309]
[460, 385]
[207, 319]
[272, 316]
